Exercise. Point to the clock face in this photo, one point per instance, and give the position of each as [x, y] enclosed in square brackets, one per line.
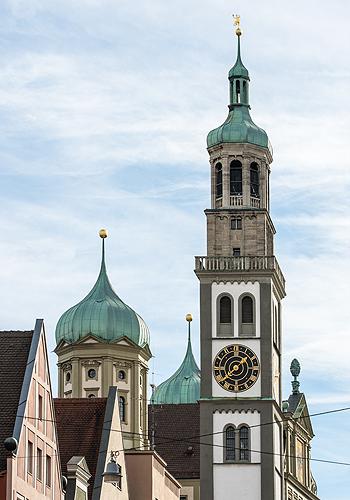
[236, 368]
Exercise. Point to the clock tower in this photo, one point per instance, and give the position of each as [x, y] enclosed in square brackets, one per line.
[241, 289]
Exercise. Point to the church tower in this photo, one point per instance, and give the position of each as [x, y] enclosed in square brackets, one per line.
[102, 342]
[241, 289]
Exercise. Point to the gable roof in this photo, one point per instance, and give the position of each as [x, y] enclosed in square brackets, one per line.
[79, 426]
[14, 352]
[177, 422]
[299, 411]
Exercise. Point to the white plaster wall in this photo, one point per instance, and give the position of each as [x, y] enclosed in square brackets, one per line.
[277, 442]
[237, 482]
[188, 492]
[276, 374]
[278, 486]
[236, 290]
[217, 390]
[223, 418]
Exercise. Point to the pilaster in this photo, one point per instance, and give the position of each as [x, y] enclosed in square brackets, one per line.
[76, 378]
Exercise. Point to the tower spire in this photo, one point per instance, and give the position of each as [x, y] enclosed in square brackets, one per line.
[238, 75]
[103, 233]
[189, 319]
[238, 126]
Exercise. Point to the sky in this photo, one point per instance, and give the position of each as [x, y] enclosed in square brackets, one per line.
[104, 110]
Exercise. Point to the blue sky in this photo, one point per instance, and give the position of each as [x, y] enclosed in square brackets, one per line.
[104, 110]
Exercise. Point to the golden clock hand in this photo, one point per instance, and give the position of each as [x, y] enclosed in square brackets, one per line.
[234, 369]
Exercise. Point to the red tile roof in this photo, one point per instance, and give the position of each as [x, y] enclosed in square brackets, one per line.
[14, 350]
[79, 427]
[176, 429]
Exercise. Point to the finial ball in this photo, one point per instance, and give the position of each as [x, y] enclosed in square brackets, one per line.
[238, 32]
[103, 233]
[295, 368]
[189, 317]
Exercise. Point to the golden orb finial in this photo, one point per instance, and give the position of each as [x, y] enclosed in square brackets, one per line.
[189, 317]
[103, 233]
[237, 22]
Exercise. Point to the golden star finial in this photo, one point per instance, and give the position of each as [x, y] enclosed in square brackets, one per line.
[237, 23]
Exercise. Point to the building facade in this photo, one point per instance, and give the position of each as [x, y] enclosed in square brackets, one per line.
[102, 342]
[29, 461]
[241, 292]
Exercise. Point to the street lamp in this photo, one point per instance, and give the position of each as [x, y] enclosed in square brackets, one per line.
[113, 472]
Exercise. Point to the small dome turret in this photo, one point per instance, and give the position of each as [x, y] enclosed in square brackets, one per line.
[102, 314]
[184, 385]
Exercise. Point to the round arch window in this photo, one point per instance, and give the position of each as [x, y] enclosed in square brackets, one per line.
[90, 396]
[92, 373]
[121, 375]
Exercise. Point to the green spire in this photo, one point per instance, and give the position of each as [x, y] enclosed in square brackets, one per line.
[184, 385]
[102, 314]
[239, 70]
[238, 126]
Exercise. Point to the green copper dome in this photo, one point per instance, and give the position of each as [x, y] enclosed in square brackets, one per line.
[102, 314]
[183, 386]
[238, 126]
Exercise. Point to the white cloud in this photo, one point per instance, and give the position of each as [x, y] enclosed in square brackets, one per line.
[104, 111]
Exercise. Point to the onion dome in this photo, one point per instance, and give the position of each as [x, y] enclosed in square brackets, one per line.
[184, 385]
[102, 314]
[238, 126]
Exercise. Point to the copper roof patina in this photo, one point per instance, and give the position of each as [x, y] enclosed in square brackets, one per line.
[239, 126]
[183, 386]
[102, 314]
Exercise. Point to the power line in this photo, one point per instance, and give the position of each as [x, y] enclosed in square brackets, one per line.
[327, 412]
[188, 440]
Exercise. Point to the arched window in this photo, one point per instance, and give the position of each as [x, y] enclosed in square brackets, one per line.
[244, 443]
[225, 310]
[218, 179]
[230, 452]
[238, 91]
[236, 178]
[254, 180]
[225, 313]
[247, 315]
[122, 408]
[245, 93]
[247, 309]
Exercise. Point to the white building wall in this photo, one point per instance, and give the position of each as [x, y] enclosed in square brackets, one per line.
[277, 443]
[236, 290]
[278, 486]
[237, 482]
